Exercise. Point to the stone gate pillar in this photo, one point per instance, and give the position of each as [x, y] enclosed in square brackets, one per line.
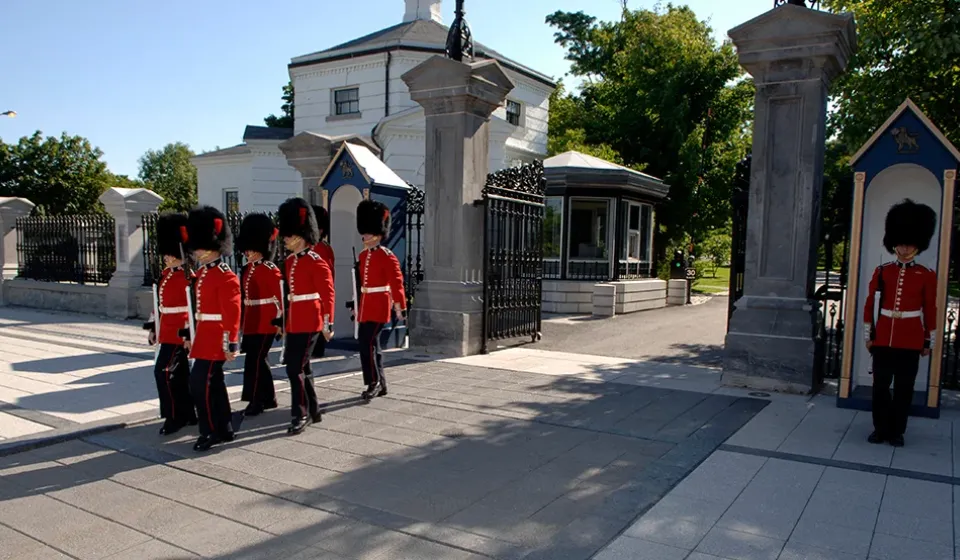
[457, 99]
[127, 206]
[793, 54]
[11, 208]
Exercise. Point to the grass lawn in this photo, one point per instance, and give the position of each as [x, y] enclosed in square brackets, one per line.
[713, 285]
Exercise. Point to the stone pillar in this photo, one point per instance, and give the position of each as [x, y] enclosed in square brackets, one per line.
[10, 209]
[793, 54]
[311, 154]
[457, 100]
[127, 206]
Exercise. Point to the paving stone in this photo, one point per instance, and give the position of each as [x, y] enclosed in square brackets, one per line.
[677, 521]
[19, 547]
[918, 498]
[799, 551]
[930, 529]
[721, 477]
[843, 507]
[889, 547]
[153, 550]
[770, 427]
[215, 536]
[855, 448]
[819, 433]
[628, 548]
[742, 546]
[694, 418]
[702, 556]
[847, 540]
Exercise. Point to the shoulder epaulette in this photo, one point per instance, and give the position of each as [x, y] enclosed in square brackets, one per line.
[312, 254]
[270, 265]
[387, 251]
[224, 267]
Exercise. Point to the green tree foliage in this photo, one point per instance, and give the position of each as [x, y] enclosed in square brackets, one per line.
[169, 173]
[286, 119]
[661, 94]
[62, 175]
[716, 249]
[905, 49]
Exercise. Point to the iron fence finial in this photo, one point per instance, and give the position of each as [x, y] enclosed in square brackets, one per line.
[460, 38]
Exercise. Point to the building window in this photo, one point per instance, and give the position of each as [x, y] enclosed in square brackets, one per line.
[514, 111]
[637, 242]
[231, 202]
[346, 101]
[553, 227]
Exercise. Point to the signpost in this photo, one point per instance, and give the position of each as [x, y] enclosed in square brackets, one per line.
[691, 276]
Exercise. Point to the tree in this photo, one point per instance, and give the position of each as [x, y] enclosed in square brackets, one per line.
[169, 173]
[286, 120]
[716, 249]
[62, 175]
[905, 49]
[661, 93]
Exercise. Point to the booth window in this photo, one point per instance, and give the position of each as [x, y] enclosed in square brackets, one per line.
[637, 241]
[231, 202]
[552, 236]
[589, 238]
[347, 101]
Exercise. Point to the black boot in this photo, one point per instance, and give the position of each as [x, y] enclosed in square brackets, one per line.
[317, 417]
[372, 391]
[205, 442]
[896, 441]
[170, 427]
[298, 425]
[876, 437]
[383, 391]
[269, 405]
[253, 410]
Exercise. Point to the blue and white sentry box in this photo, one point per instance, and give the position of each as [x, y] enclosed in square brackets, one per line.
[354, 174]
[908, 157]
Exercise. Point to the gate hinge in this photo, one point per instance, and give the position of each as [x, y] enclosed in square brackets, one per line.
[478, 202]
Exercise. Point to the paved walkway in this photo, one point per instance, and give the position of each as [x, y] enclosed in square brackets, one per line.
[59, 372]
[691, 335]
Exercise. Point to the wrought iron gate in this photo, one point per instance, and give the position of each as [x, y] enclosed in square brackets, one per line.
[740, 203]
[513, 202]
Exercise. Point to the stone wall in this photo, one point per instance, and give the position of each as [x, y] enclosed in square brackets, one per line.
[605, 299]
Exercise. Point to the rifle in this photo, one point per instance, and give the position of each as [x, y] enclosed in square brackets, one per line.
[354, 305]
[282, 335]
[156, 320]
[191, 303]
[877, 305]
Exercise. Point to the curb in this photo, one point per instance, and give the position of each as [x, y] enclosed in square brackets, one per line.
[62, 435]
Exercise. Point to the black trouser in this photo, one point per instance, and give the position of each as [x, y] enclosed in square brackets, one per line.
[371, 360]
[258, 386]
[172, 373]
[209, 391]
[320, 349]
[303, 396]
[899, 366]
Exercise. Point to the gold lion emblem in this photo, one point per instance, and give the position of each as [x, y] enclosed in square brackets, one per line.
[906, 140]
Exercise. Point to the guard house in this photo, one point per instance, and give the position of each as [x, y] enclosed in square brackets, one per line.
[907, 157]
[356, 173]
[598, 228]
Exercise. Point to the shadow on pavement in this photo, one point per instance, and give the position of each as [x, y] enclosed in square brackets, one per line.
[457, 462]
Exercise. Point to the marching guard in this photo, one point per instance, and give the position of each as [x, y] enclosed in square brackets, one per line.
[905, 326]
[381, 288]
[170, 315]
[261, 283]
[325, 251]
[311, 310]
[217, 320]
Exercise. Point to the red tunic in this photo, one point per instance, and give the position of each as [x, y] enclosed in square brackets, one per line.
[261, 297]
[173, 305]
[310, 292]
[218, 311]
[326, 253]
[381, 284]
[908, 309]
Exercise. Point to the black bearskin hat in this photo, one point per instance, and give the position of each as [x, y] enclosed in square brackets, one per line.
[909, 223]
[257, 233]
[169, 236]
[373, 218]
[207, 229]
[323, 220]
[296, 217]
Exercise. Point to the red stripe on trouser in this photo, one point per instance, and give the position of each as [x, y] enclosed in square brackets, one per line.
[213, 430]
[303, 375]
[166, 377]
[373, 359]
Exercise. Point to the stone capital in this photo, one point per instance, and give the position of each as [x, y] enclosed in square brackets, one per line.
[130, 204]
[11, 208]
[792, 43]
[443, 86]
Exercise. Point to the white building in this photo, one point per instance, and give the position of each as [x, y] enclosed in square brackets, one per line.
[355, 89]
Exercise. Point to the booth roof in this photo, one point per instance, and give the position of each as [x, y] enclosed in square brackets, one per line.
[374, 171]
[578, 168]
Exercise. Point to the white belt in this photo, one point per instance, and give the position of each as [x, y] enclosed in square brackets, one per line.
[253, 302]
[172, 310]
[303, 297]
[209, 317]
[375, 290]
[900, 314]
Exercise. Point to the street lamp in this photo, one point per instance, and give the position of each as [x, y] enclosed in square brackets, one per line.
[10, 114]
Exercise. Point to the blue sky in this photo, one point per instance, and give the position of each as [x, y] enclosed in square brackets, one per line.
[133, 75]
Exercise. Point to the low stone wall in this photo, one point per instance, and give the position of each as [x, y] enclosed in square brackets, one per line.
[677, 292]
[563, 296]
[604, 299]
[74, 298]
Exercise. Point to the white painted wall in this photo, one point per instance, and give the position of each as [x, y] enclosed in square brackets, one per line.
[273, 181]
[217, 175]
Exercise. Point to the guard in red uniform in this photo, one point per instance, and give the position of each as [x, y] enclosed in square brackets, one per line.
[325, 251]
[310, 315]
[217, 318]
[262, 300]
[172, 370]
[903, 327]
[380, 290]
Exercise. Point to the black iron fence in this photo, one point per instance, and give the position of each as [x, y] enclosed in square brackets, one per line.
[81, 249]
[831, 297]
[513, 202]
[950, 364]
[413, 263]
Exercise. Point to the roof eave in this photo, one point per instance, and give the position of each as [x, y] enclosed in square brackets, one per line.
[606, 178]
